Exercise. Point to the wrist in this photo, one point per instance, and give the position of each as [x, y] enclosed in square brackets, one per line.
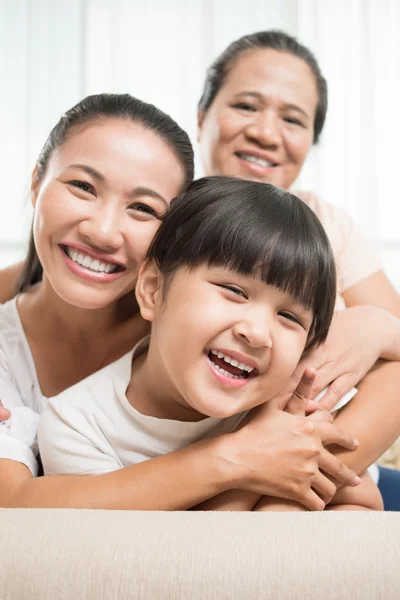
[390, 340]
[224, 462]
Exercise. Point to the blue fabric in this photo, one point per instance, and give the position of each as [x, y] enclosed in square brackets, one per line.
[389, 486]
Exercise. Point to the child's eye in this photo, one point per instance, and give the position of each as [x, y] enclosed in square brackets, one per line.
[82, 185]
[234, 289]
[290, 317]
[143, 208]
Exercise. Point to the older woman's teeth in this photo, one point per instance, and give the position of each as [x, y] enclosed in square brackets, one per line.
[256, 160]
[233, 362]
[90, 263]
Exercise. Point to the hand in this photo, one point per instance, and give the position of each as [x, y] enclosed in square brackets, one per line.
[282, 454]
[4, 412]
[354, 344]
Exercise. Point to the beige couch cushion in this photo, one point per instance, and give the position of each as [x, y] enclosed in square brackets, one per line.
[107, 555]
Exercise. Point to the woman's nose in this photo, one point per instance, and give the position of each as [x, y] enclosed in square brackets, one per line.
[103, 228]
[265, 129]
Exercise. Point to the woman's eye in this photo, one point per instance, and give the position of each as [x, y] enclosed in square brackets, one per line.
[234, 289]
[293, 121]
[82, 185]
[144, 209]
[245, 106]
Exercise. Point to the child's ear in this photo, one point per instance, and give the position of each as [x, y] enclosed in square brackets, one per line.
[148, 289]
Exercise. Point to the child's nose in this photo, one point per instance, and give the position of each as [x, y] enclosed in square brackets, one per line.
[255, 330]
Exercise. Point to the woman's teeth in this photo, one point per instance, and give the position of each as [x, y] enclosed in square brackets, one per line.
[256, 160]
[90, 263]
[231, 361]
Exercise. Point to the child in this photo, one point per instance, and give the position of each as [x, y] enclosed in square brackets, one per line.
[238, 283]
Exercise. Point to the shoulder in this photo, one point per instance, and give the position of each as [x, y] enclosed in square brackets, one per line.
[96, 394]
[356, 256]
[16, 363]
[9, 320]
[329, 214]
[338, 224]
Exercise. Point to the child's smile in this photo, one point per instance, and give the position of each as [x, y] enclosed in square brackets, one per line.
[231, 368]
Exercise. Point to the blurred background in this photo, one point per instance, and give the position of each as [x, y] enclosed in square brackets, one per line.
[55, 52]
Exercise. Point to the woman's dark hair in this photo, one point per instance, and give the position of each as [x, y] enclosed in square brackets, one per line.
[275, 40]
[255, 229]
[97, 108]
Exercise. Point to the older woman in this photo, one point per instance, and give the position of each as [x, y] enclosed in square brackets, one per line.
[263, 105]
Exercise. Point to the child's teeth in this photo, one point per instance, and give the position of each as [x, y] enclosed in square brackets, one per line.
[233, 361]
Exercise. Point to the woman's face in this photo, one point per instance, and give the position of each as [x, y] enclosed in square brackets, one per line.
[98, 207]
[261, 123]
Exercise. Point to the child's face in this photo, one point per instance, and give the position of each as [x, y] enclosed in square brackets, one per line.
[225, 342]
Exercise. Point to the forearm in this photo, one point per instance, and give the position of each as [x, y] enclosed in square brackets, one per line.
[236, 500]
[8, 282]
[391, 340]
[372, 416]
[175, 481]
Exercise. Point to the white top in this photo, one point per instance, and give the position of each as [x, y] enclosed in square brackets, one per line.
[91, 428]
[19, 391]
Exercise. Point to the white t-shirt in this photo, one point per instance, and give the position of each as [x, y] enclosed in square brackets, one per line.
[19, 391]
[91, 428]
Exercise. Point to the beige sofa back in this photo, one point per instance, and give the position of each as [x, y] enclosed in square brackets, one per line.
[110, 555]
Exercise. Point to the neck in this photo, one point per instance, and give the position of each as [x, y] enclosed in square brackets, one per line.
[42, 306]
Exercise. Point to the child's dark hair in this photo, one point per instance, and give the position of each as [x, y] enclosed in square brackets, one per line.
[255, 229]
[101, 107]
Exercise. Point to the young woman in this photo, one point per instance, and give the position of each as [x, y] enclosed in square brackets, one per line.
[263, 106]
[101, 187]
[239, 283]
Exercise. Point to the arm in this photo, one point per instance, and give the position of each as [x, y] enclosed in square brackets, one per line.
[373, 415]
[181, 479]
[367, 330]
[197, 472]
[8, 281]
[67, 452]
[294, 402]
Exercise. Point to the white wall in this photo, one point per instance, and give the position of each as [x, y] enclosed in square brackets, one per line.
[54, 52]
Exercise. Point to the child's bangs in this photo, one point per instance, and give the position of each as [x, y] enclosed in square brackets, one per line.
[281, 257]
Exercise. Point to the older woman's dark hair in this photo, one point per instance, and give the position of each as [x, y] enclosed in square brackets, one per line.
[255, 229]
[96, 108]
[262, 40]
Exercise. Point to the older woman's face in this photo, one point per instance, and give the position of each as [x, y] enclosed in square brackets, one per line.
[261, 123]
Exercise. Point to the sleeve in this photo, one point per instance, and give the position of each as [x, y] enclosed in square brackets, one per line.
[342, 401]
[357, 257]
[18, 435]
[355, 254]
[70, 445]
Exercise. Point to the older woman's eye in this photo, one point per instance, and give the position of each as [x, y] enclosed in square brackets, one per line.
[294, 121]
[82, 185]
[245, 106]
